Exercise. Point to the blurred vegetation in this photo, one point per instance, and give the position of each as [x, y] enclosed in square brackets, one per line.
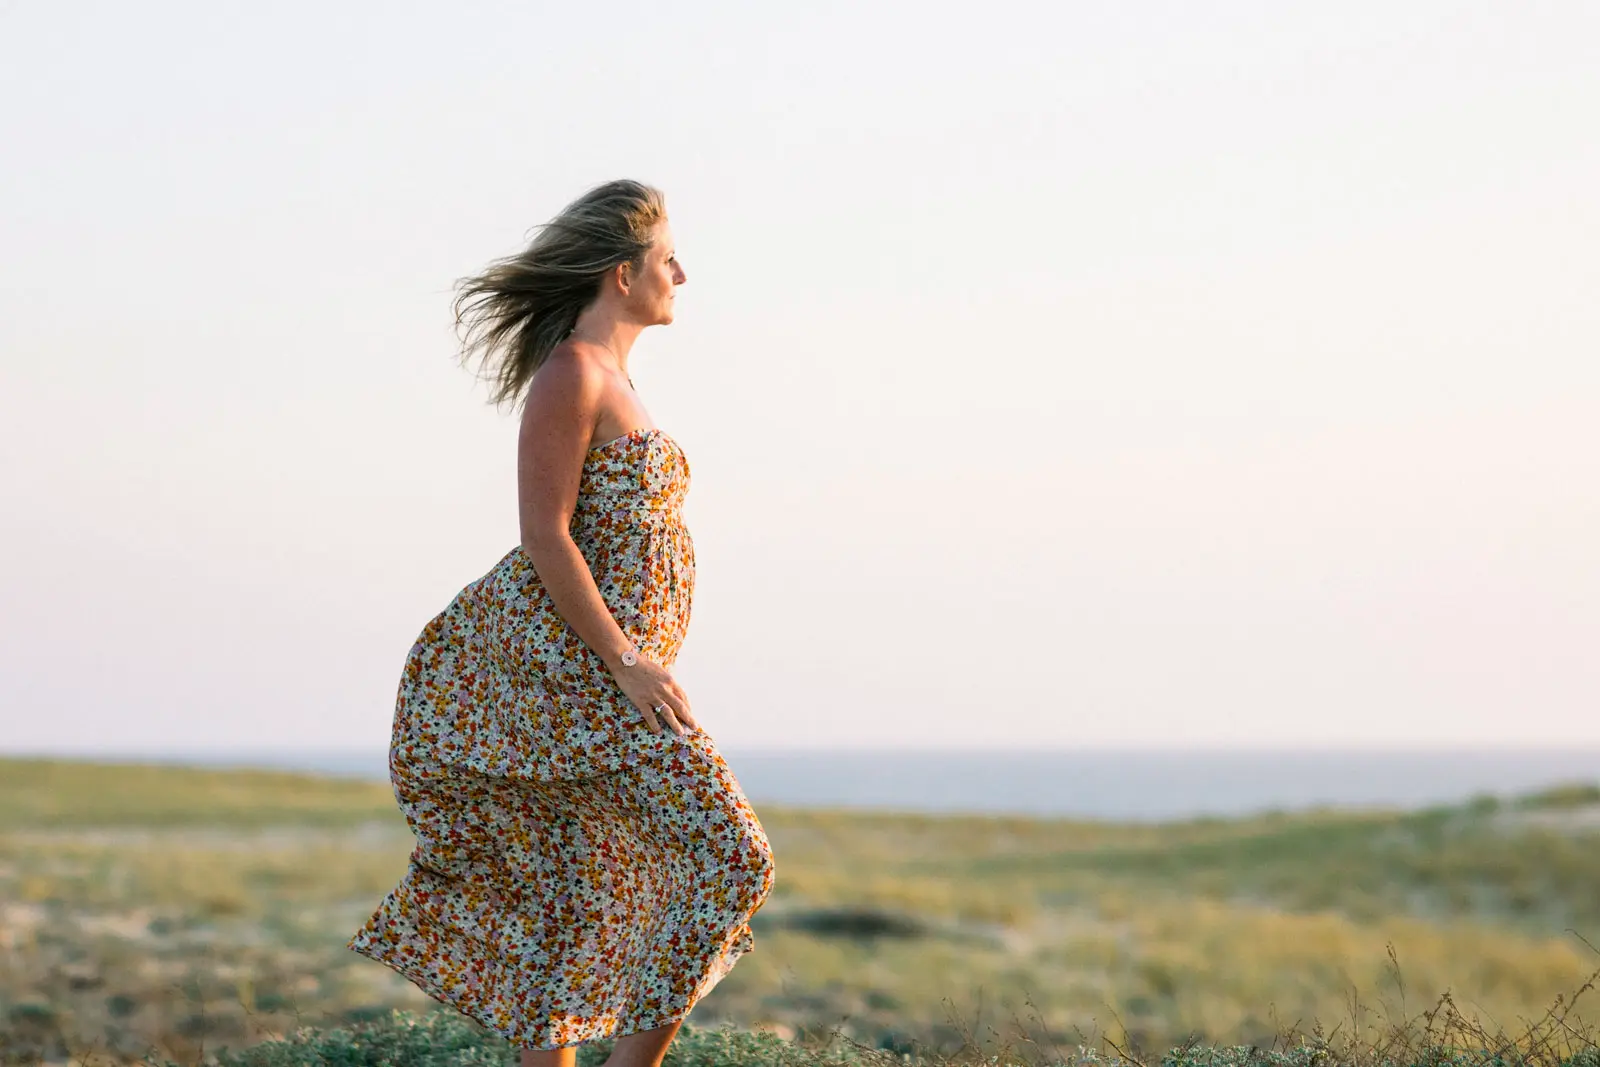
[47, 794]
[177, 911]
[441, 1040]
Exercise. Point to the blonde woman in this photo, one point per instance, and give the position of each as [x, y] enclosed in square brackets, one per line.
[586, 864]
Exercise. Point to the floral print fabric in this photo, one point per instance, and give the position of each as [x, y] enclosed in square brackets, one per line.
[575, 875]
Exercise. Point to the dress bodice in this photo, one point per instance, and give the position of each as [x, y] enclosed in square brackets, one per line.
[638, 479]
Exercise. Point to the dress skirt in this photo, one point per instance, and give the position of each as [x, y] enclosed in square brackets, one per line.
[575, 875]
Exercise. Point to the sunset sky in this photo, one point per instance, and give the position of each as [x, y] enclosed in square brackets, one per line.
[1050, 375]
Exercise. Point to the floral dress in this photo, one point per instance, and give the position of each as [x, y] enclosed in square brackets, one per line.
[575, 875]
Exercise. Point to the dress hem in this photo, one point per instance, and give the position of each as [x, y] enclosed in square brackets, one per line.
[371, 948]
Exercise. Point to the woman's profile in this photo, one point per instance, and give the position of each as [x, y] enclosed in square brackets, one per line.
[586, 864]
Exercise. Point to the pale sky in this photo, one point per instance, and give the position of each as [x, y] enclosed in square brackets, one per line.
[1050, 374]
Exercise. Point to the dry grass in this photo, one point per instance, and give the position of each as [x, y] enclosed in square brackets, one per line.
[172, 909]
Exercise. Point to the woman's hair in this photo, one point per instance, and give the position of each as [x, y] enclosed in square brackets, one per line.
[522, 306]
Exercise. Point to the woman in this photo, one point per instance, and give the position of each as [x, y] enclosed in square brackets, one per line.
[586, 864]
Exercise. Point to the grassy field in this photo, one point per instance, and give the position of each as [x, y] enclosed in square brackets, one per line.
[178, 910]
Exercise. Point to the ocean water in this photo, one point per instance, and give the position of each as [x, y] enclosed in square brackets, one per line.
[1129, 784]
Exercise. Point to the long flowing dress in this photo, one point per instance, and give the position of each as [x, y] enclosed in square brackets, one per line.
[575, 874]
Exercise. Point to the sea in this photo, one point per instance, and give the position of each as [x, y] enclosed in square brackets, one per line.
[1138, 785]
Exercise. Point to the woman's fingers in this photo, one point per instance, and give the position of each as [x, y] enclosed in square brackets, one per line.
[663, 712]
[668, 708]
[680, 704]
[650, 719]
[677, 715]
[666, 711]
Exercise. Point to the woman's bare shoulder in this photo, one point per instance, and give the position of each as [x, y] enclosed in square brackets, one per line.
[570, 377]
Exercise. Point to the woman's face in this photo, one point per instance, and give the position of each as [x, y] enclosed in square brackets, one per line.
[651, 290]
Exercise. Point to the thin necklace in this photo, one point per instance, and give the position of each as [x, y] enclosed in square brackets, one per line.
[608, 348]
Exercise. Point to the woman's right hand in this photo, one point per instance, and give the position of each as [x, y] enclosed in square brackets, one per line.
[649, 685]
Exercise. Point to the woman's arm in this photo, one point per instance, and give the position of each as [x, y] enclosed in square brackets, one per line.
[562, 410]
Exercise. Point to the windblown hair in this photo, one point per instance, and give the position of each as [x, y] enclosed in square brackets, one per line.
[522, 306]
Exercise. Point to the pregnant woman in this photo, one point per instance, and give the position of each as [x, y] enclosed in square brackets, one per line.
[586, 864]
